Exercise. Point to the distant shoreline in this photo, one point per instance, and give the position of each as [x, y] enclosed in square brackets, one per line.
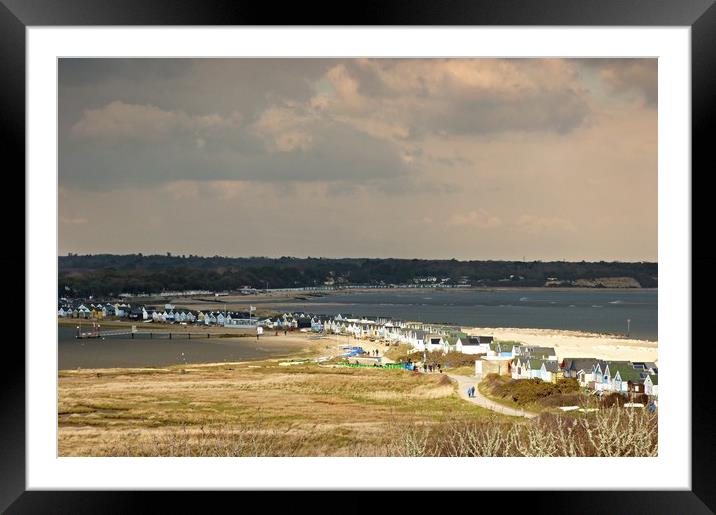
[272, 294]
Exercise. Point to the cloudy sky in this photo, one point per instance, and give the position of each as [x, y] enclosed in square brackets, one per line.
[428, 158]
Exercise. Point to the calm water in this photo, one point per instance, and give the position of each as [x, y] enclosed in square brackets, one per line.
[120, 351]
[591, 310]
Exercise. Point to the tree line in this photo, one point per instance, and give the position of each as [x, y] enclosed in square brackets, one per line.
[110, 274]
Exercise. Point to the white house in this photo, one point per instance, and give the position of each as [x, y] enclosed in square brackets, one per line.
[605, 373]
[520, 368]
[544, 369]
[435, 342]
[651, 384]
[472, 345]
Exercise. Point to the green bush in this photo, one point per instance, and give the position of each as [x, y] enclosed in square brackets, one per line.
[529, 391]
[450, 359]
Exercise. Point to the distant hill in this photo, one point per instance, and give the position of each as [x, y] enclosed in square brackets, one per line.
[109, 274]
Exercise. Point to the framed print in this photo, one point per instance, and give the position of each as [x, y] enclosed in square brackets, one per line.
[439, 248]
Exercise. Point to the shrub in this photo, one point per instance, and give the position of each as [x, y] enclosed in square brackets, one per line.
[610, 432]
[451, 359]
[529, 391]
[642, 398]
[613, 399]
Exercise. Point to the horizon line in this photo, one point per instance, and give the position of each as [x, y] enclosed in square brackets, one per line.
[190, 255]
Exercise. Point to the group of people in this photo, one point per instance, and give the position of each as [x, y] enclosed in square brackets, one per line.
[471, 391]
[432, 368]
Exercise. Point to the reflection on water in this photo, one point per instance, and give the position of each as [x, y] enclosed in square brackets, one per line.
[144, 352]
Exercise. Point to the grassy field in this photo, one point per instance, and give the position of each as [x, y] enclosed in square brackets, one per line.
[253, 409]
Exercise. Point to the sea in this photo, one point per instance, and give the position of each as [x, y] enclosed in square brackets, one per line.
[614, 311]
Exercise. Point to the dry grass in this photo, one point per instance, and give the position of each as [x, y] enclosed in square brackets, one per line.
[237, 410]
[462, 371]
[398, 352]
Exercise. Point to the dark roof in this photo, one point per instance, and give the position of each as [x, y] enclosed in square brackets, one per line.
[580, 363]
[544, 351]
[551, 366]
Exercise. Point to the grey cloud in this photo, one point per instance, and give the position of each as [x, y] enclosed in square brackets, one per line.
[625, 75]
[559, 112]
[194, 86]
[289, 143]
[472, 102]
[83, 72]
[337, 152]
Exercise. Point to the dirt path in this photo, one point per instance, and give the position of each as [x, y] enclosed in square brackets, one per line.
[465, 382]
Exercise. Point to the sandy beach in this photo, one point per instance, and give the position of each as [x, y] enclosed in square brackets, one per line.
[573, 344]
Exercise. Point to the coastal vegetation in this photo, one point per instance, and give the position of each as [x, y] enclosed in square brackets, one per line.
[613, 432]
[533, 394]
[451, 360]
[261, 409]
[108, 274]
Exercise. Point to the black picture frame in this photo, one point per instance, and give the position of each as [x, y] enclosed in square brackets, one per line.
[700, 15]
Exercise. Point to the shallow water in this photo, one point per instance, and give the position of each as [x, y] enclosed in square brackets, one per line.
[120, 351]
